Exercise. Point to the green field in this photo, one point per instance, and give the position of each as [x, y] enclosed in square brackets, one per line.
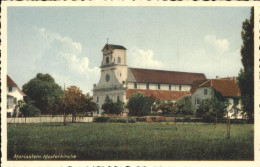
[136, 141]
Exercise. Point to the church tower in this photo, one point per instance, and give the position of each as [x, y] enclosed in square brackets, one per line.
[112, 83]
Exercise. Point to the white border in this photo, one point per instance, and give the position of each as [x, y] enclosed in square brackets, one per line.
[5, 163]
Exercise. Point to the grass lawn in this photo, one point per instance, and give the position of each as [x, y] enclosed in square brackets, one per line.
[136, 141]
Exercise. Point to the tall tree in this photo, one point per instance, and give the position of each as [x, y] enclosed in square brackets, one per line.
[76, 103]
[246, 75]
[44, 92]
[139, 105]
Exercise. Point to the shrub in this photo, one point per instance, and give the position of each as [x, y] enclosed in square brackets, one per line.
[29, 110]
[131, 120]
[101, 119]
[141, 119]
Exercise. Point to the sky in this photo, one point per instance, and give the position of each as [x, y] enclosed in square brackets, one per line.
[66, 42]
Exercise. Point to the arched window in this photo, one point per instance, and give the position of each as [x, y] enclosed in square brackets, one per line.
[107, 98]
[107, 60]
[119, 60]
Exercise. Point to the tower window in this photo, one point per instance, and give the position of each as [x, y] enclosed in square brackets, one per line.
[107, 60]
[159, 86]
[170, 87]
[147, 85]
[119, 60]
[135, 85]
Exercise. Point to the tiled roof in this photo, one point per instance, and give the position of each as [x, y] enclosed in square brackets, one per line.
[228, 88]
[10, 82]
[166, 77]
[159, 94]
[111, 46]
[195, 85]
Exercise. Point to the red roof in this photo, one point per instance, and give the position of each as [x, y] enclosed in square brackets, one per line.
[10, 82]
[166, 77]
[228, 88]
[159, 94]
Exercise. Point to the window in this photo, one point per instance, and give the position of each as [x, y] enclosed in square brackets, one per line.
[107, 98]
[119, 60]
[10, 103]
[15, 100]
[205, 91]
[10, 89]
[97, 111]
[195, 101]
[135, 85]
[107, 60]
[147, 85]
[179, 87]
[159, 86]
[118, 98]
[198, 101]
[97, 99]
[170, 87]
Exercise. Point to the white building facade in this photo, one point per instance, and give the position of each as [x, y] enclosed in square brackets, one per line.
[14, 94]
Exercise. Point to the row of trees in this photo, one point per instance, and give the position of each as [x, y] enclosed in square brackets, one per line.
[46, 97]
[140, 105]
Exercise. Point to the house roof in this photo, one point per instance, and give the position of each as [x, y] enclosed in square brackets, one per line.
[166, 77]
[111, 46]
[228, 88]
[159, 94]
[10, 82]
[196, 84]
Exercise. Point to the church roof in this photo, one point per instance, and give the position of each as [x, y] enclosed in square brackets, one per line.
[228, 88]
[165, 77]
[10, 82]
[111, 46]
[158, 94]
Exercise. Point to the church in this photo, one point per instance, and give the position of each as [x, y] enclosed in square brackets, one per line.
[120, 82]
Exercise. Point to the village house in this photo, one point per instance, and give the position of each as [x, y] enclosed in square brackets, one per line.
[120, 82]
[14, 94]
[227, 87]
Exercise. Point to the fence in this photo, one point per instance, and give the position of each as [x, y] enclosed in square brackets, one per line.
[47, 119]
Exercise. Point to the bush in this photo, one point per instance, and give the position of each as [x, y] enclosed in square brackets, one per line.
[29, 110]
[101, 119]
[114, 120]
[141, 119]
[131, 120]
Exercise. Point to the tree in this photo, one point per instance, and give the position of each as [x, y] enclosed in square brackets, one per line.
[166, 107]
[73, 103]
[18, 106]
[45, 93]
[184, 106]
[90, 106]
[76, 103]
[139, 105]
[213, 108]
[29, 110]
[246, 75]
[111, 107]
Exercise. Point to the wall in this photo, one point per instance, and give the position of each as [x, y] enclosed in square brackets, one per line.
[199, 94]
[47, 119]
[153, 86]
